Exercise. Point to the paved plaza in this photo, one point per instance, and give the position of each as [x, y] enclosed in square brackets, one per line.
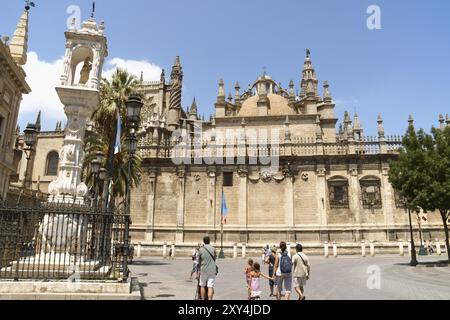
[343, 278]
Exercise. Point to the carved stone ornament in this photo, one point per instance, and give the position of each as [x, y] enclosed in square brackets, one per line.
[279, 176]
[211, 172]
[197, 177]
[242, 173]
[266, 176]
[305, 176]
[254, 177]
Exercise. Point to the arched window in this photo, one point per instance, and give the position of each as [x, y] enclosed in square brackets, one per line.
[338, 192]
[52, 164]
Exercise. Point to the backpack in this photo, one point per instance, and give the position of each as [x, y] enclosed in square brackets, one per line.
[285, 263]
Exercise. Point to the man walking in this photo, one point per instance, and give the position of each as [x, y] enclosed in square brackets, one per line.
[302, 269]
[208, 269]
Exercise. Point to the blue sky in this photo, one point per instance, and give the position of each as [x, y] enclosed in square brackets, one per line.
[401, 69]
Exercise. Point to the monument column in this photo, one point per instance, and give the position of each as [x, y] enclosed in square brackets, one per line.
[181, 191]
[387, 193]
[150, 222]
[354, 197]
[321, 195]
[212, 197]
[243, 173]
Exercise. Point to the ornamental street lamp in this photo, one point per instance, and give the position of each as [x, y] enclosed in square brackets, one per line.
[30, 138]
[134, 106]
[414, 261]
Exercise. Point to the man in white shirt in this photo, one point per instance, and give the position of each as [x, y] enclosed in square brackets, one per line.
[301, 273]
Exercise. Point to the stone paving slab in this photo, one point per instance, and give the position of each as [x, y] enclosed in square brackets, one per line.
[343, 278]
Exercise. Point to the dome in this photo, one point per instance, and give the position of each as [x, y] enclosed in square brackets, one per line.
[279, 106]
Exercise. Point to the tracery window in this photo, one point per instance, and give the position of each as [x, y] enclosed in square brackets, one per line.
[338, 192]
[371, 193]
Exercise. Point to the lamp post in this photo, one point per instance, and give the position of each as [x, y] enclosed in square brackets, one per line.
[414, 261]
[134, 106]
[30, 138]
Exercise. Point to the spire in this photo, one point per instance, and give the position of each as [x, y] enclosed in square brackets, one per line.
[411, 120]
[326, 92]
[176, 86]
[291, 91]
[441, 122]
[38, 121]
[193, 114]
[237, 94]
[357, 128]
[447, 120]
[309, 80]
[221, 94]
[380, 127]
[142, 77]
[163, 76]
[19, 42]
[230, 98]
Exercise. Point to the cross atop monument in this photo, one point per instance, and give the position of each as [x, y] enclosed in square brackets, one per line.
[93, 9]
[29, 4]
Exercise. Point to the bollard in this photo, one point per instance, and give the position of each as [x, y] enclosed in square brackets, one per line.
[173, 252]
[244, 251]
[401, 248]
[438, 248]
[335, 249]
[165, 250]
[363, 249]
[372, 249]
[325, 248]
[139, 250]
[409, 247]
[235, 251]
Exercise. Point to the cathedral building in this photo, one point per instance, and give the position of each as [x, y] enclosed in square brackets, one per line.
[283, 163]
[13, 55]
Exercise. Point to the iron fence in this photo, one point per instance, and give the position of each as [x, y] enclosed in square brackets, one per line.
[61, 241]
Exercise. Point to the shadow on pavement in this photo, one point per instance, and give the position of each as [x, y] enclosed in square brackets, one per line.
[428, 264]
[149, 263]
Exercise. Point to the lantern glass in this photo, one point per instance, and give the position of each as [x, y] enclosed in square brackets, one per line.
[103, 173]
[134, 106]
[95, 166]
[30, 135]
[131, 144]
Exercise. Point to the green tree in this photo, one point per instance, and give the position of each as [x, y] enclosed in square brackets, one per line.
[113, 95]
[435, 196]
[421, 173]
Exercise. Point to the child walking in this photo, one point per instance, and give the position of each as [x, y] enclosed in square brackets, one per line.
[254, 282]
[247, 271]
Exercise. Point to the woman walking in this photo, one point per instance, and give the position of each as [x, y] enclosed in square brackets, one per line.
[283, 267]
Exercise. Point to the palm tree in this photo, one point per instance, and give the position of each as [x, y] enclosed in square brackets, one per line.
[113, 96]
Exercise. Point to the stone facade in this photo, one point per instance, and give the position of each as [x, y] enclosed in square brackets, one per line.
[42, 168]
[12, 86]
[322, 183]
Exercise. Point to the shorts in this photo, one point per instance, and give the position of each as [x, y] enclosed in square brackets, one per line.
[285, 281]
[207, 281]
[299, 282]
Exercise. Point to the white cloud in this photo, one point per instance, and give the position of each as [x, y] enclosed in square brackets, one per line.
[151, 71]
[43, 77]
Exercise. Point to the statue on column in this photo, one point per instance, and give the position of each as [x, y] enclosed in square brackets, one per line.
[85, 71]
